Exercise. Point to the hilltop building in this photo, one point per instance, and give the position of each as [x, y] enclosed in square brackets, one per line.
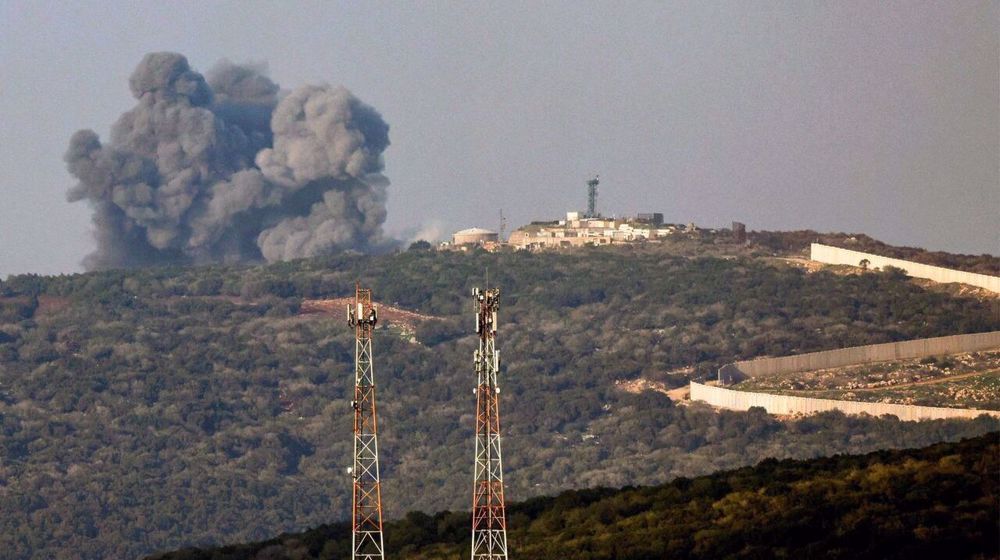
[473, 237]
[577, 231]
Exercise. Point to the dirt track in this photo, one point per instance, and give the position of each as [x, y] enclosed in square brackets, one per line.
[935, 381]
[338, 306]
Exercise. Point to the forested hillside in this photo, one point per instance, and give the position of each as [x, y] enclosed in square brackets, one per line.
[150, 409]
[938, 502]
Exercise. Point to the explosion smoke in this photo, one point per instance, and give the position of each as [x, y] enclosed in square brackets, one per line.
[223, 170]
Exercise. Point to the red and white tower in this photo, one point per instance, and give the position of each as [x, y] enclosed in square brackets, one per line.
[366, 518]
[489, 521]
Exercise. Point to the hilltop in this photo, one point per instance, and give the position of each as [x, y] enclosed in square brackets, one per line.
[148, 409]
[943, 500]
[795, 244]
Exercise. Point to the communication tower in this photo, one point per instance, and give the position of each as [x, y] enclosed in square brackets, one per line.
[489, 521]
[366, 518]
[592, 196]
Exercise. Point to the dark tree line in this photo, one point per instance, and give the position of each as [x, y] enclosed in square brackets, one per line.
[939, 501]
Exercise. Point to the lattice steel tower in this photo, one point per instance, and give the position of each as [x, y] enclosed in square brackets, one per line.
[489, 521]
[366, 518]
[592, 196]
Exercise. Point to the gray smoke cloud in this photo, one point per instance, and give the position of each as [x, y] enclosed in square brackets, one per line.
[223, 167]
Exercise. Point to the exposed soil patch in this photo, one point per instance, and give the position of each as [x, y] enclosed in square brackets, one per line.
[956, 289]
[808, 265]
[879, 375]
[48, 305]
[640, 385]
[970, 380]
[926, 381]
[338, 306]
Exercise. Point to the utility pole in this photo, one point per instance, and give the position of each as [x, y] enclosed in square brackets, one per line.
[366, 517]
[489, 521]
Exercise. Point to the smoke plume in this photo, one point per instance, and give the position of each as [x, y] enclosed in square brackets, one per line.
[224, 167]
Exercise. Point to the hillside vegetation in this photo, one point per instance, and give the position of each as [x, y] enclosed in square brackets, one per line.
[942, 501]
[798, 242]
[149, 409]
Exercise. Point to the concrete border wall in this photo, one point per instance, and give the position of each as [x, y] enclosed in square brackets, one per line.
[737, 371]
[836, 255]
[786, 404]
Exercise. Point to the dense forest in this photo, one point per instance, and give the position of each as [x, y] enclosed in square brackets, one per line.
[942, 501]
[150, 409]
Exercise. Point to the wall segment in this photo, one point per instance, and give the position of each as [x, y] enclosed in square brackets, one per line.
[836, 255]
[787, 404]
[890, 351]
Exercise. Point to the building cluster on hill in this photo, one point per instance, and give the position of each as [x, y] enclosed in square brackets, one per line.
[577, 230]
[574, 231]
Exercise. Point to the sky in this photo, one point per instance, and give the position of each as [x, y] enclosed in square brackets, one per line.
[871, 117]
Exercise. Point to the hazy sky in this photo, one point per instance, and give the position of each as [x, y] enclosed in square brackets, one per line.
[870, 117]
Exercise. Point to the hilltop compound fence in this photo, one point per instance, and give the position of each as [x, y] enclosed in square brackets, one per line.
[737, 371]
[835, 255]
[786, 404]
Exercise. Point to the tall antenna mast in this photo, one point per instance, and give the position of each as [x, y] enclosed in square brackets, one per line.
[489, 520]
[592, 196]
[366, 518]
